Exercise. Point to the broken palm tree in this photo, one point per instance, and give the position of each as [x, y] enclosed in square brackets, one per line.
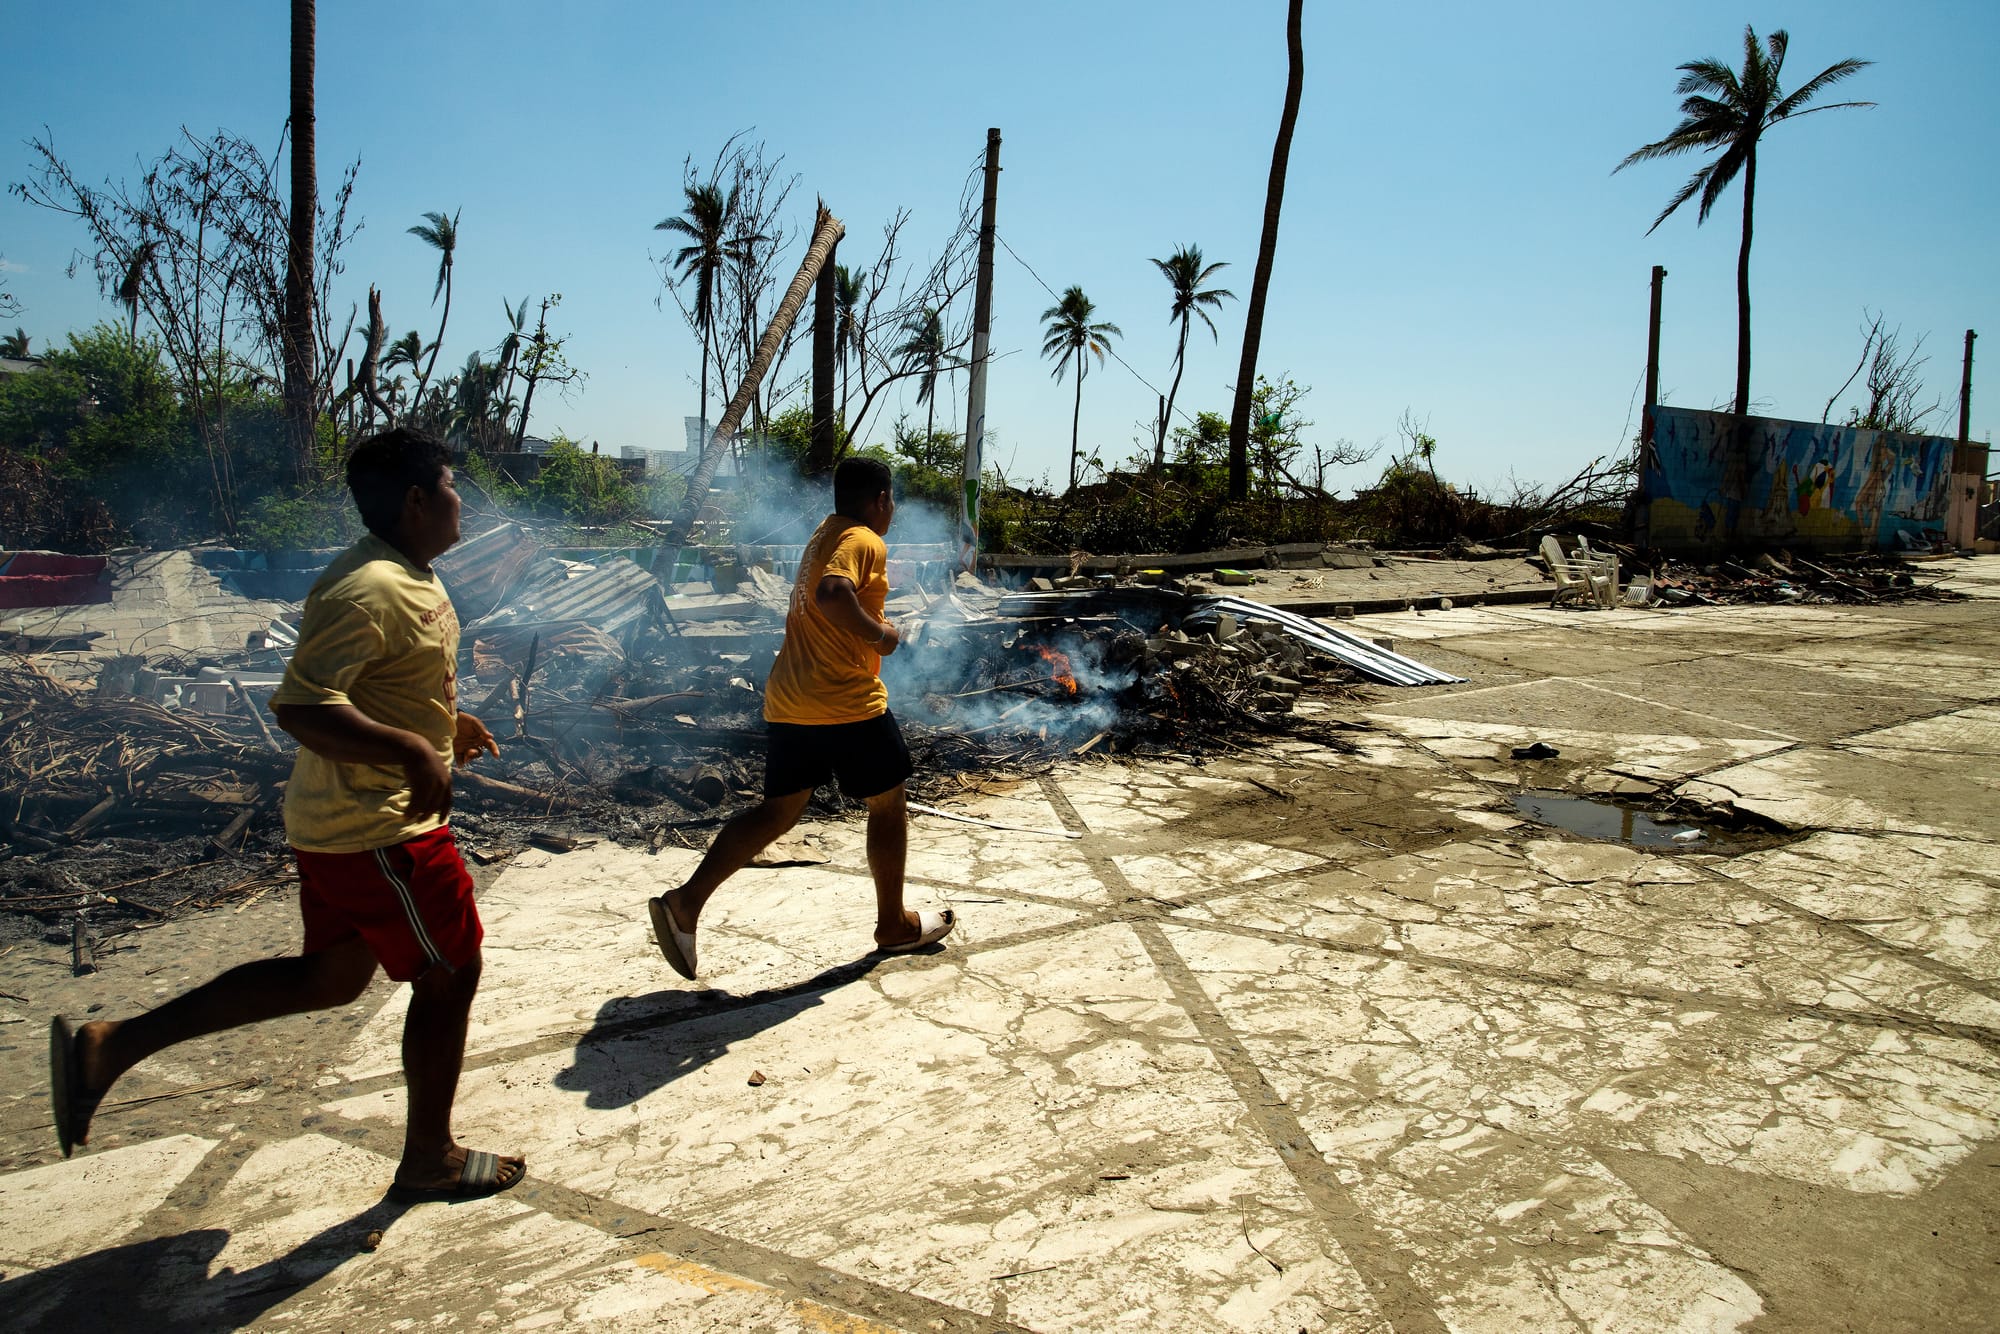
[827, 231]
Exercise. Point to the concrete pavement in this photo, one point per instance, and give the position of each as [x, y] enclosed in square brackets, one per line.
[1298, 1040]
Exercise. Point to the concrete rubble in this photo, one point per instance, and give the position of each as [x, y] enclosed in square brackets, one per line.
[1314, 1031]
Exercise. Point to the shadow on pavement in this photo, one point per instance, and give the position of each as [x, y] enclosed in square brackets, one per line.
[623, 1058]
[164, 1285]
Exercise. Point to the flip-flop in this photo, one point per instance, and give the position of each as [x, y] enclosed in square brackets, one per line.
[478, 1175]
[931, 928]
[73, 1106]
[677, 945]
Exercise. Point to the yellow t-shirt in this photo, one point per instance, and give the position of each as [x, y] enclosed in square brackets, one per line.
[380, 634]
[823, 673]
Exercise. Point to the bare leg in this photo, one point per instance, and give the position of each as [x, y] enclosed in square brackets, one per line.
[433, 1054]
[888, 850]
[740, 840]
[247, 994]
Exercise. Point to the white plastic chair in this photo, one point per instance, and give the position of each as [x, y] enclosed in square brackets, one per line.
[1583, 575]
[1603, 566]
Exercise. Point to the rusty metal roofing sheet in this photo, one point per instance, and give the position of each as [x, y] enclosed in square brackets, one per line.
[613, 596]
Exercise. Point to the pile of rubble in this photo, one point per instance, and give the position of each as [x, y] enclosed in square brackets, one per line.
[628, 706]
[1783, 577]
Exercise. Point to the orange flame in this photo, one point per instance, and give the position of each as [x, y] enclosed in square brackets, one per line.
[1059, 668]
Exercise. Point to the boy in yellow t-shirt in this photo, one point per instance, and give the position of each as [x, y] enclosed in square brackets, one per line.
[371, 695]
[828, 716]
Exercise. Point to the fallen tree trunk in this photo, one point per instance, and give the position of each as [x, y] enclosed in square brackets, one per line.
[827, 231]
[501, 790]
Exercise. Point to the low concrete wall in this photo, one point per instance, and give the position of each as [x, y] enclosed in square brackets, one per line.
[1709, 484]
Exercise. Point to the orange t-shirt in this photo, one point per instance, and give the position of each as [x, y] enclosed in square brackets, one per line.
[823, 673]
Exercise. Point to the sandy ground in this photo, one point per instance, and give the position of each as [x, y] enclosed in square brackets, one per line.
[1294, 1041]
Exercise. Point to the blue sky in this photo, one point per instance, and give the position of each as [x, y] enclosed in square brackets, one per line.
[1454, 241]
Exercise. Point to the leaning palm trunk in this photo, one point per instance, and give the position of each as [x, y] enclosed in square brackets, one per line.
[1075, 421]
[1173, 392]
[431, 365]
[827, 231]
[1260, 285]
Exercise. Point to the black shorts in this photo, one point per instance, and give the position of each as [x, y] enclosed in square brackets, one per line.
[868, 757]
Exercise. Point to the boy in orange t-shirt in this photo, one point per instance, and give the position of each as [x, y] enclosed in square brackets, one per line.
[828, 715]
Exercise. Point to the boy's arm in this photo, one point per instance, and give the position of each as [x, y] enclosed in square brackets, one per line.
[835, 596]
[346, 735]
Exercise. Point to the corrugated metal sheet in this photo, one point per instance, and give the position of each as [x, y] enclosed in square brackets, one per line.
[1146, 608]
[613, 596]
[1364, 655]
[481, 572]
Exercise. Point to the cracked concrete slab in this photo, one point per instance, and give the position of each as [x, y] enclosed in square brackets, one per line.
[1301, 1038]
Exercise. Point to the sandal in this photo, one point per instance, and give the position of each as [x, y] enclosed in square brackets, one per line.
[677, 945]
[478, 1176]
[931, 928]
[72, 1103]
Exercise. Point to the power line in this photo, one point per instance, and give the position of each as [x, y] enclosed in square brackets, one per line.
[1112, 350]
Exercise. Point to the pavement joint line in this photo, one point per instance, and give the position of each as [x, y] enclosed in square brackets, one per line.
[1844, 739]
[1371, 1250]
[1885, 1018]
[711, 1004]
[1855, 935]
[803, 1283]
[1915, 958]
[1856, 831]
[1140, 909]
[1676, 708]
[1639, 635]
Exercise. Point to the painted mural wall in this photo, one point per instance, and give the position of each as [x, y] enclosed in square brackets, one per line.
[1798, 484]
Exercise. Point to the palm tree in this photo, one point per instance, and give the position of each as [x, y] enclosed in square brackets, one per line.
[706, 223]
[848, 295]
[300, 349]
[1070, 334]
[1267, 251]
[474, 399]
[1185, 273]
[509, 350]
[1730, 110]
[15, 345]
[923, 351]
[440, 233]
[405, 351]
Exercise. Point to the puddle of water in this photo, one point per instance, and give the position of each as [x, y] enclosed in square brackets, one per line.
[1603, 818]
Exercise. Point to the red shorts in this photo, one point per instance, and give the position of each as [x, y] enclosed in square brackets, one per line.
[411, 902]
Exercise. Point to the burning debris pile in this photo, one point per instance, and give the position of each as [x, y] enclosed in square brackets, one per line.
[630, 709]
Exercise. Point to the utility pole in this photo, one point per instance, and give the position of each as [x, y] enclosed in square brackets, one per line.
[975, 390]
[1653, 345]
[1965, 393]
[1968, 467]
[1638, 508]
